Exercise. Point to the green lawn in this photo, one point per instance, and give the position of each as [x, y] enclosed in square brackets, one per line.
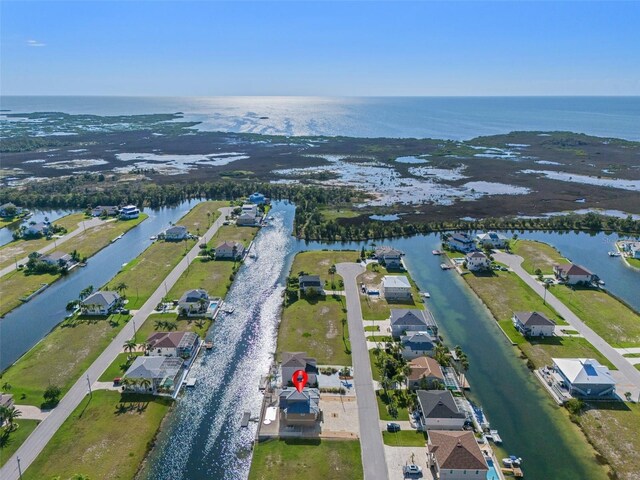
[405, 438]
[200, 217]
[197, 325]
[316, 326]
[10, 443]
[542, 350]
[61, 357]
[383, 401]
[21, 248]
[375, 373]
[537, 255]
[119, 366]
[312, 459]
[377, 308]
[16, 284]
[319, 262]
[634, 262]
[229, 233]
[334, 214]
[616, 323]
[107, 436]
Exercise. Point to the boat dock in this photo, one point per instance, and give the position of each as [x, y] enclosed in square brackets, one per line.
[246, 417]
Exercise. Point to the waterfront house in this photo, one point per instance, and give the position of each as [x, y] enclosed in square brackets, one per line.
[491, 240]
[60, 259]
[585, 377]
[250, 209]
[439, 411]
[293, 361]
[257, 198]
[455, 455]
[154, 374]
[128, 212]
[412, 320]
[193, 302]
[573, 274]
[299, 408]
[9, 210]
[396, 287]
[229, 250]
[425, 372]
[39, 229]
[176, 233]
[247, 220]
[461, 242]
[104, 210]
[533, 324]
[477, 261]
[101, 303]
[417, 344]
[311, 284]
[173, 344]
[390, 257]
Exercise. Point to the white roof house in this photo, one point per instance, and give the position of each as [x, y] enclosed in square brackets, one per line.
[395, 281]
[585, 377]
[100, 302]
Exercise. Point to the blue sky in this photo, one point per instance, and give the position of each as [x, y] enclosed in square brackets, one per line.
[319, 48]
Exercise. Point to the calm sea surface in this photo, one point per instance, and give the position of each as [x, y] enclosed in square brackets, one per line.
[436, 117]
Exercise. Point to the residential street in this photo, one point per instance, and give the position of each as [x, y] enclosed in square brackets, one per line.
[34, 444]
[622, 364]
[94, 222]
[373, 456]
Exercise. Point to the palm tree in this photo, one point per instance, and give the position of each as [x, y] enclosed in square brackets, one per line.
[441, 355]
[202, 303]
[146, 346]
[6, 386]
[145, 383]
[10, 415]
[121, 287]
[130, 346]
[209, 218]
[171, 325]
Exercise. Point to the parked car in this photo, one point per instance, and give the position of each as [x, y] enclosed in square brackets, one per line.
[393, 427]
[411, 470]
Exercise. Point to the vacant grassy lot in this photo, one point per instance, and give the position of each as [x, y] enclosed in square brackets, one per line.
[228, 233]
[61, 357]
[16, 284]
[612, 320]
[319, 262]
[634, 262]
[119, 366]
[537, 255]
[292, 459]
[202, 216]
[383, 401]
[317, 326]
[21, 248]
[107, 436]
[334, 214]
[405, 438]
[197, 325]
[377, 308]
[542, 350]
[11, 443]
[614, 428]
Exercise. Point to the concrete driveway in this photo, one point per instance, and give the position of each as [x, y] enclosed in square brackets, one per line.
[373, 452]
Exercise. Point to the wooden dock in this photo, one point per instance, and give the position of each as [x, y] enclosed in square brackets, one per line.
[246, 416]
[514, 472]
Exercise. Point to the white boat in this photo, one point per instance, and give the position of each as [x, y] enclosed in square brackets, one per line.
[426, 295]
[444, 266]
[153, 237]
[614, 254]
[270, 218]
[437, 252]
[494, 436]
[512, 461]
[253, 255]
[190, 382]
[601, 282]
[228, 309]
[117, 238]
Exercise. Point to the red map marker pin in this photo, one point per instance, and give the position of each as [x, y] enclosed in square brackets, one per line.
[299, 379]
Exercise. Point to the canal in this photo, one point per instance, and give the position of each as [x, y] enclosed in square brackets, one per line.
[202, 437]
[6, 233]
[25, 326]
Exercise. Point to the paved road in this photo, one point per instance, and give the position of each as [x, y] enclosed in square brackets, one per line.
[34, 444]
[621, 363]
[373, 457]
[94, 222]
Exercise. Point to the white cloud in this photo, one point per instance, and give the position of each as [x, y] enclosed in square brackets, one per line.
[35, 43]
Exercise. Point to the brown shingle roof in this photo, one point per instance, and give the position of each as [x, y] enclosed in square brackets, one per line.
[456, 450]
[573, 269]
[423, 367]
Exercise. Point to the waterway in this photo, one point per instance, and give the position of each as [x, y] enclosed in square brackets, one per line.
[25, 326]
[6, 233]
[202, 437]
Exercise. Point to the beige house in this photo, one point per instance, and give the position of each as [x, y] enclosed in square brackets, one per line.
[425, 372]
[455, 455]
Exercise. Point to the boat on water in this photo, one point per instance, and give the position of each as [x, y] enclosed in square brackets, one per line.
[512, 461]
[444, 266]
[614, 254]
[426, 294]
[437, 252]
[601, 283]
[153, 237]
[208, 345]
[117, 238]
[228, 309]
[253, 255]
[270, 218]
[494, 436]
[190, 382]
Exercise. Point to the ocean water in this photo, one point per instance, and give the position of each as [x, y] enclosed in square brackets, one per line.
[457, 118]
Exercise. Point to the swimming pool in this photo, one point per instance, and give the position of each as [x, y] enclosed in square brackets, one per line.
[492, 474]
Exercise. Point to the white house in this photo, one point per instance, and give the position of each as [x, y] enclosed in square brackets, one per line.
[100, 210]
[294, 361]
[585, 377]
[462, 242]
[247, 219]
[439, 411]
[455, 455]
[176, 233]
[477, 261]
[533, 324]
[573, 274]
[412, 320]
[250, 209]
[231, 250]
[417, 344]
[100, 303]
[492, 240]
[194, 302]
[58, 258]
[396, 287]
[38, 229]
[173, 344]
[130, 211]
[161, 373]
[391, 257]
